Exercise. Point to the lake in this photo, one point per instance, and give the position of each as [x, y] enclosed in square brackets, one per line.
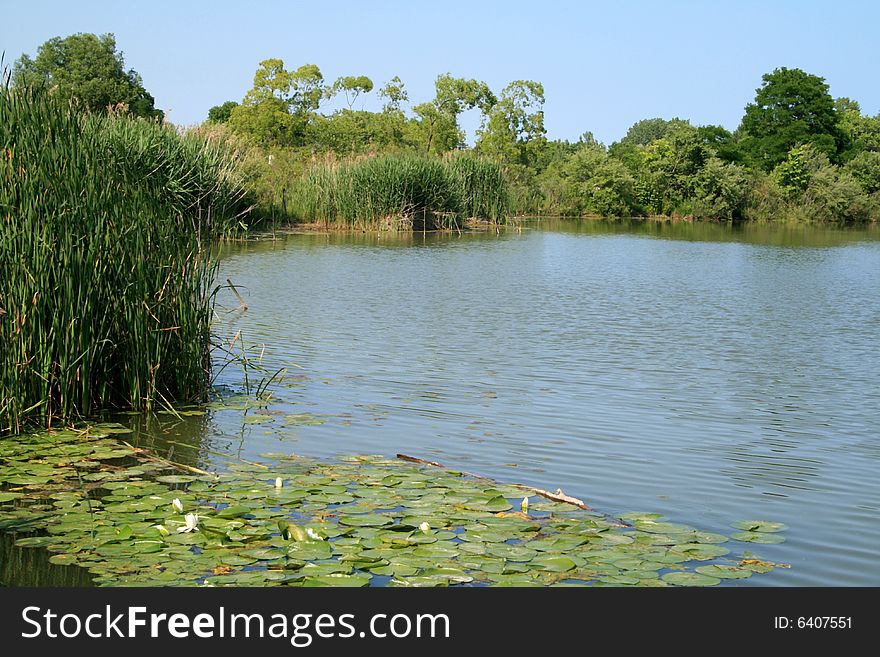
[709, 373]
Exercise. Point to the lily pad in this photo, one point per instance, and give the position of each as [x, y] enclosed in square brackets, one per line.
[758, 537]
[724, 572]
[690, 579]
[763, 526]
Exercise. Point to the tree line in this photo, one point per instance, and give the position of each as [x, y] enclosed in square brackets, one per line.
[798, 153]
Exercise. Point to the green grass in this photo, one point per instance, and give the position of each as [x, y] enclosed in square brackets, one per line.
[401, 192]
[105, 273]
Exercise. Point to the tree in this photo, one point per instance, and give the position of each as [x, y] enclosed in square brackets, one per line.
[394, 93]
[280, 105]
[352, 86]
[594, 183]
[438, 119]
[87, 67]
[791, 108]
[862, 132]
[514, 130]
[643, 132]
[221, 113]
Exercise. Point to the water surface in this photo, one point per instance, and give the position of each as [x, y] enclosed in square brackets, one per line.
[708, 373]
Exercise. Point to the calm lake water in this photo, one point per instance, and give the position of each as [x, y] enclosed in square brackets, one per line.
[707, 373]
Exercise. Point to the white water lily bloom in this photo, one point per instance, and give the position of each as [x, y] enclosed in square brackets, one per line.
[425, 527]
[312, 534]
[192, 523]
[279, 482]
[162, 529]
[525, 505]
[177, 504]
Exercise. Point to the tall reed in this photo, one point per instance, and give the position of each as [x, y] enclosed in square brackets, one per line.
[399, 191]
[105, 280]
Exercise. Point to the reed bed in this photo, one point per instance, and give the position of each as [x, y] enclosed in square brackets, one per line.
[105, 276]
[401, 192]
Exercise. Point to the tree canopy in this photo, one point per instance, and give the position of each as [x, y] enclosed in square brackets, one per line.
[791, 108]
[88, 68]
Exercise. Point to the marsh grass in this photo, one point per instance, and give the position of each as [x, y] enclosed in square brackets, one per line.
[105, 275]
[401, 192]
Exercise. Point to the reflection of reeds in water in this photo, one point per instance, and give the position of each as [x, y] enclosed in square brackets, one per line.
[402, 192]
[104, 281]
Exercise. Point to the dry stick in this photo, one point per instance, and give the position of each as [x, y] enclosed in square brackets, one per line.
[558, 496]
[413, 459]
[243, 305]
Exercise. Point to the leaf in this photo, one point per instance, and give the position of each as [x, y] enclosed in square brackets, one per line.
[338, 580]
[764, 526]
[690, 579]
[757, 537]
[724, 572]
[175, 479]
[234, 511]
[553, 564]
[366, 520]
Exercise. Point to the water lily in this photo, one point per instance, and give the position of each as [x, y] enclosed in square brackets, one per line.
[524, 505]
[192, 523]
[425, 527]
[279, 482]
[162, 529]
[312, 534]
[177, 504]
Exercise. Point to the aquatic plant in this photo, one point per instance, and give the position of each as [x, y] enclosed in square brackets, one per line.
[401, 192]
[105, 282]
[110, 508]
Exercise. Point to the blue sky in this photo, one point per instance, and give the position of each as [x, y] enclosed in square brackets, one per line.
[604, 65]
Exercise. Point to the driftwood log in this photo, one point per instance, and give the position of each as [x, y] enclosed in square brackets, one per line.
[558, 496]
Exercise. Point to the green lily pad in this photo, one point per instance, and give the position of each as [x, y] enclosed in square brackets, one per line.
[763, 526]
[724, 572]
[175, 479]
[366, 520]
[234, 511]
[690, 579]
[554, 564]
[757, 537]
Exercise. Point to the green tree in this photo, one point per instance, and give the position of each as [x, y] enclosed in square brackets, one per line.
[722, 142]
[791, 107]
[221, 113]
[865, 168]
[352, 86]
[594, 183]
[437, 121]
[278, 108]
[514, 129]
[862, 132]
[394, 93]
[88, 68]
[643, 132]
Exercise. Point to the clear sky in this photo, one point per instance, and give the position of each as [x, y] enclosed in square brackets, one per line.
[604, 65]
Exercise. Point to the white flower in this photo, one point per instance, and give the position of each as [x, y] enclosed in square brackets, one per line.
[524, 505]
[425, 527]
[162, 529]
[279, 482]
[192, 523]
[313, 534]
[177, 504]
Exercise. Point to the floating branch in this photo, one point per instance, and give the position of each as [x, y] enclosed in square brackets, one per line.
[559, 496]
